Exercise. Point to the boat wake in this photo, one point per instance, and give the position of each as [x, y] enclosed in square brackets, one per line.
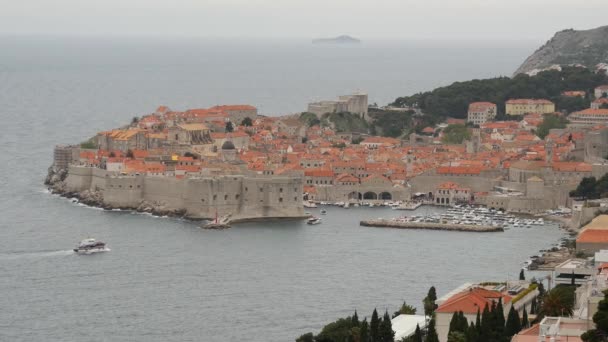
[34, 255]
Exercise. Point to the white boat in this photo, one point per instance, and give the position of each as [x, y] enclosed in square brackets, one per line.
[323, 211]
[314, 220]
[90, 246]
[309, 204]
[346, 205]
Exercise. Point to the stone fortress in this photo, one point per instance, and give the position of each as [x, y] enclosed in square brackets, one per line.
[238, 197]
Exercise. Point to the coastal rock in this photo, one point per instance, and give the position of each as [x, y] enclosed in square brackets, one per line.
[570, 47]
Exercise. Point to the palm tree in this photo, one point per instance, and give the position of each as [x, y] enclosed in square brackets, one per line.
[558, 302]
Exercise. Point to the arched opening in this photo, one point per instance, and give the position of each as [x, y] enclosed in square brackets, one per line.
[370, 195]
[354, 195]
[386, 196]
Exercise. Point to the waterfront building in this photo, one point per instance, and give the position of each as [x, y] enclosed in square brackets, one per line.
[553, 329]
[593, 237]
[471, 298]
[527, 106]
[481, 112]
[450, 193]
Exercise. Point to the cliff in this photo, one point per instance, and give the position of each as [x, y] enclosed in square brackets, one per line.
[585, 47]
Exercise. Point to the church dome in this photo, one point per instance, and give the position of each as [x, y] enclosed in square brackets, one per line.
[228, 145]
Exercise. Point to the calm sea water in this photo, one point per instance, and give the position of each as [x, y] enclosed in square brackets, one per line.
[167, 280]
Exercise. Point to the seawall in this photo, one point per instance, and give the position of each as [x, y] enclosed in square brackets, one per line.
[430, 226]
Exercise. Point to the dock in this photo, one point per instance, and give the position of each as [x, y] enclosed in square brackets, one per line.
[431, 226]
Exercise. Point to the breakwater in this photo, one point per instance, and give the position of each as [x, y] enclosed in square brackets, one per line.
[383, 223]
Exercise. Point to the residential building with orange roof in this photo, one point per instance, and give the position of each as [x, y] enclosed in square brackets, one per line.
[593, 237]
[588, 117]
[237, 113]
[481, 112]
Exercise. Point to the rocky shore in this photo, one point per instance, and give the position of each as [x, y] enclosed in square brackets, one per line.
[55, 181]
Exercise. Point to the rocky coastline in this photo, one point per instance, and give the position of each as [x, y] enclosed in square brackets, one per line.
[55, 182]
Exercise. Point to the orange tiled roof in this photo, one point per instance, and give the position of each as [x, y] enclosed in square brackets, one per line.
[470, 301]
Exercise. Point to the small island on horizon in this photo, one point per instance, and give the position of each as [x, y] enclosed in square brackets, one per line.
[343, 39]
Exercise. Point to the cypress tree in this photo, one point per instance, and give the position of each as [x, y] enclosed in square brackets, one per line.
[499, 318]
[454, 322]
[385, 330]
[525, 323]
[364, 331]
[374, 324]
[486, 324]
[432, 295]
[522, 276]
[431, 334]
[417, 335]
[513, 323]
[478, 322]
[533, 306]
[355, 319]
[472, 333]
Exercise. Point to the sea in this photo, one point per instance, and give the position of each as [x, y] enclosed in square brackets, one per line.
[166, 279]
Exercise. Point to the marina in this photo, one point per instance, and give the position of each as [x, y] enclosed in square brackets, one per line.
[430, 226]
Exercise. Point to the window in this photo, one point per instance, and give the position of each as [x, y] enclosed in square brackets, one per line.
[280, 189]
[295, 198]
[280, 199]
[246, 189]
[202, 200]
[225, 197]
[237, 196]
[214, 197]
[261, 189]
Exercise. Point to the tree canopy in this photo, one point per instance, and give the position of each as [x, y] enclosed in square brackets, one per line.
[550, 121]
[453, 100]
[455, 134]
[590, 188]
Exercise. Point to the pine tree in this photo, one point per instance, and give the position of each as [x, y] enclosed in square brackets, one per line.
[355, 319]
[364, 331]
[374, 324]
[417, 335]
[478, 322]
[525, 323]
[431, 334]
[522, 276]
[533, 306]
[385, 330]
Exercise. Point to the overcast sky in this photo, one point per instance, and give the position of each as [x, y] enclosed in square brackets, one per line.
[370, 19]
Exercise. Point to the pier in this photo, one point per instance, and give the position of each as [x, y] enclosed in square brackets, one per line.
[431, 226]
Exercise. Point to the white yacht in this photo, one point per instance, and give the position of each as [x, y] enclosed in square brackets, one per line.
[89, 246]
[314, 220]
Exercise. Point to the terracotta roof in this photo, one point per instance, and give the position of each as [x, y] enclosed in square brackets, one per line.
[471, 300]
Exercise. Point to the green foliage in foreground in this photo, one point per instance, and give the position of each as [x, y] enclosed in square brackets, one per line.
[453, 100]
[590, 188]
[345, 122]
[600, 318]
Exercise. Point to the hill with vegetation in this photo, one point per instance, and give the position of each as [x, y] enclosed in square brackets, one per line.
[568, 47]
[453, 100]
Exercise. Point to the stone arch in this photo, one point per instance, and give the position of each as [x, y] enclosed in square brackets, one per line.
[370, 195]
[386, 196]
[354, 195]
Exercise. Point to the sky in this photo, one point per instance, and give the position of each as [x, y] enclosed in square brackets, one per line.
[369, 19]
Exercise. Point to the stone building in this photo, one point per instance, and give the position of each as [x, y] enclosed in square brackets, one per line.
[190, 134]
[450, 193]
[481, 112]
[526, 106]
[237, 113]
[122, 140]
[355, 103]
